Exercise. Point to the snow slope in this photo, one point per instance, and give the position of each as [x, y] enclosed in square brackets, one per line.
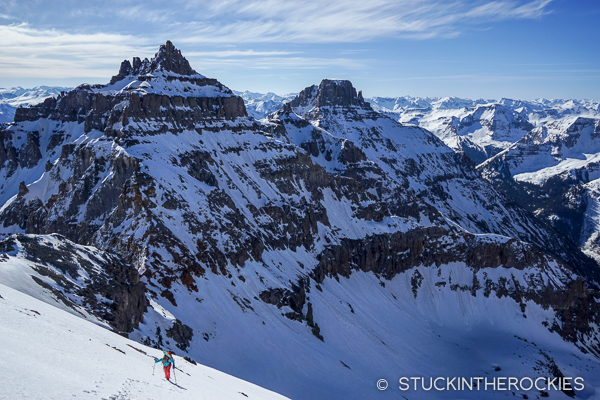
[312, 258]
[372, 332]
[161, 82]
[48, 353]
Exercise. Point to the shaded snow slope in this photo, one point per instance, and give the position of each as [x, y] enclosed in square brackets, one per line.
[372, 332]
[309, 255]
[50, 354]
[442, 325]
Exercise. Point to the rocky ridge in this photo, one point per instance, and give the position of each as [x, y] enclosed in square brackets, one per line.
[348, 137]
[298, 230]
[480, 128]
[553, 172]
[82, 279]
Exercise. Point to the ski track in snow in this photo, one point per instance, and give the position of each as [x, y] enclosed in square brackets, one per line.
[50, 354]
[372, 328]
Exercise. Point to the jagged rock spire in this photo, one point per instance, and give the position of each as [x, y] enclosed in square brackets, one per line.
[168, 58]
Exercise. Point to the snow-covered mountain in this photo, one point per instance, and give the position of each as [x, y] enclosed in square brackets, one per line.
[340, 127]
[260, 105]
[53, 355]
[554, 172]
[312, 254]
[11, 99]
[481, 128]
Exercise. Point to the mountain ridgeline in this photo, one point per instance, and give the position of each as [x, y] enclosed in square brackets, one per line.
[309, 253]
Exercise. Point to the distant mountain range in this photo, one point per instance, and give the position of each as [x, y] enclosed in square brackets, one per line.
[11, 99]
[554, 171]
[313, 243]
[260, 105]
[481, 128]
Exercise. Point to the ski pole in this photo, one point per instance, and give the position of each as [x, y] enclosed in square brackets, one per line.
[174, 376]
[153, 365]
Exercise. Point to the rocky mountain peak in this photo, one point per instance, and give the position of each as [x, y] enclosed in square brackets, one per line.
[330, 92]
[582, 122]
[168, 58]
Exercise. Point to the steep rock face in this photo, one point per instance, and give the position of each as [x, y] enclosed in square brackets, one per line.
[329, 93]
[414, 164]
[83, 279]
[103, 111]
[329, 228]
[168, 58]
[13, 98]
[552, 172]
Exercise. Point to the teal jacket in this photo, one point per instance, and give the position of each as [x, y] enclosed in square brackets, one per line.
[166, 363]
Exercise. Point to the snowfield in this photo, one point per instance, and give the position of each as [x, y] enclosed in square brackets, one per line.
[372, 332]
[312, 254]
[48, 353]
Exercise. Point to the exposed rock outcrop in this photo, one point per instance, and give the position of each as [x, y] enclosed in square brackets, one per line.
[181, 334]
[215, 211]
[330, 92]
[111, 290]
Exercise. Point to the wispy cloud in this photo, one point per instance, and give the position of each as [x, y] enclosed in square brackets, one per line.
[51, 53]
[282, 63]
[291, 21]
[65, 41]
[273, 21]
[332, 21]
[237, 53]
[510, 10]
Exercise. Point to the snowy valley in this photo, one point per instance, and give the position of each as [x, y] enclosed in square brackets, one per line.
[310, 244]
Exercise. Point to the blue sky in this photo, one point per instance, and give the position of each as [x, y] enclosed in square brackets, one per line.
[522, 49]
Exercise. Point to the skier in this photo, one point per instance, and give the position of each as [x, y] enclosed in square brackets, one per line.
[167, 361]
